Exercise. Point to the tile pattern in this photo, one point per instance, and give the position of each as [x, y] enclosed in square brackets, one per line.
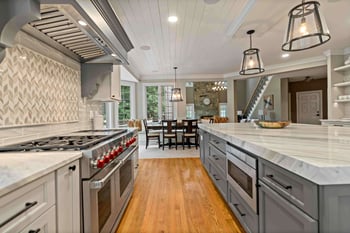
[35, 89]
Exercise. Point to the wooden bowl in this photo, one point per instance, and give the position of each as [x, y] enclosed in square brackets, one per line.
[273, 124]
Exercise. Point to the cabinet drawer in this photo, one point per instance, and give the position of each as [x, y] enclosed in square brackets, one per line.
[242, 211]
[218, 178]
[218, 142]
[218, 158]
[297, 190]
[46, 223]
[22, 206]
[276, 214]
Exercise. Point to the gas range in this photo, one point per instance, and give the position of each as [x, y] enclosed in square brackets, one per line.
[99, 147]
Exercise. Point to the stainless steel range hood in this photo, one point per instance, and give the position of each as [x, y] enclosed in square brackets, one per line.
[102, 40]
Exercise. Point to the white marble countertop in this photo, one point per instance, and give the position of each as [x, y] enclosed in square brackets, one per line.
[20, 168]
[320, 154]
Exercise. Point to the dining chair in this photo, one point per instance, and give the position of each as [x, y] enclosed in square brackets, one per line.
[169, 129]
[150, 135]
[189, 130]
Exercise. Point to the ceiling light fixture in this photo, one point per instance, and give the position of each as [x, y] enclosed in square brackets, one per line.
[285, 55]
[306, 27]
[219, 86]
[172, 19]
[251, 63]
[176, 95]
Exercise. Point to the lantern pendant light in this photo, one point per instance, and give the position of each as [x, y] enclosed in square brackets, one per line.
[176, 95]
[251, 63]
[306, 27]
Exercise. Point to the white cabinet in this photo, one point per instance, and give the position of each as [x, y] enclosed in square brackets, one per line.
[46, 223]
[68, 198]
[48, 204]
[344, 86]
[23, 206]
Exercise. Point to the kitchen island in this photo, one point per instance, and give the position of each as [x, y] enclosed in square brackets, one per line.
[303, 175]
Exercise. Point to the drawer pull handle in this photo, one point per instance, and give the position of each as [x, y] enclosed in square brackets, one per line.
[72, 168]
[34, 231]
[215, 157]
[279, 183]
[239, 211]
[214, 175]
[28, 205]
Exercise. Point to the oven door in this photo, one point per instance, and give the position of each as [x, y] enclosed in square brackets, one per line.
[124, 179]
[99, 200]
[243, 178]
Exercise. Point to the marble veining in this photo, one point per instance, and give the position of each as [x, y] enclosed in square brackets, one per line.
[18, 169]
[320, 154]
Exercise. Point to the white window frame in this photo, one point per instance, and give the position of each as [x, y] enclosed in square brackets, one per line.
[145, 85]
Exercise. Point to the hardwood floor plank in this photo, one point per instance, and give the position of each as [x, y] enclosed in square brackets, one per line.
[176, 196]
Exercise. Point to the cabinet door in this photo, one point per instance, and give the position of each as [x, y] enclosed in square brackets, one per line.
[277, 215]
[46, 223]
[68, 198]
[204, 147]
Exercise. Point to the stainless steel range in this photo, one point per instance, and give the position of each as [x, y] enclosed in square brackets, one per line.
[107, 171]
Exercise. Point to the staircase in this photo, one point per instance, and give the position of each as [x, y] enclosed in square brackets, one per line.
[256, 96]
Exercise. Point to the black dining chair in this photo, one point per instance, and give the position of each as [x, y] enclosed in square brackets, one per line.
[189, 130]
[169, 129]
[151, 135]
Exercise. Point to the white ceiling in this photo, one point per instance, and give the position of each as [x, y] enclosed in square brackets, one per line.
[210, 38]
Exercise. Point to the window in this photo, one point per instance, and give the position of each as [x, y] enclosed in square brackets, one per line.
[158, 105]
[223, 109]
[190, 111]
[124, 107]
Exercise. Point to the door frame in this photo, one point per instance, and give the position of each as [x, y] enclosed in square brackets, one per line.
[304, 92]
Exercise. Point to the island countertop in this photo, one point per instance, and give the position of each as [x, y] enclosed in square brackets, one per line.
[320, 154]
[20, 168]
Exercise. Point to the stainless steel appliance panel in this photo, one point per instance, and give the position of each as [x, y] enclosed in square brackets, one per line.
[243, 177]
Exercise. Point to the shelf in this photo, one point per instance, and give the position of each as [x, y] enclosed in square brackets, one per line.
[342, 101]
[342, 68]
[343, 84]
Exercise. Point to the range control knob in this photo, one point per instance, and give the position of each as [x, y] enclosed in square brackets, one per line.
[106, 158]
[100, 163]
[113, 154]
[120, 149]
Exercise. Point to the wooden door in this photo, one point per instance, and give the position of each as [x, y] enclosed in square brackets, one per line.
[309, 107]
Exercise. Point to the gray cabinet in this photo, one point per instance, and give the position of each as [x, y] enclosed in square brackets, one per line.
[204, 147]
[215, 160]
[242, 211]
[277, 215]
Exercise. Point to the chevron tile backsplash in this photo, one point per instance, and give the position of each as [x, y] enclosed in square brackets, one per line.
[35, 89]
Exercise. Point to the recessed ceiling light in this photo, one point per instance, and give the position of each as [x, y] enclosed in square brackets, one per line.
[145, 47]
[113, 55]
[211, 1]
[172, 19]
[82, 23]
[285, 55]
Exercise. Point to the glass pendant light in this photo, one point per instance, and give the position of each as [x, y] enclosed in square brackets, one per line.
[251, 63]
[306, 27]
[176, 95]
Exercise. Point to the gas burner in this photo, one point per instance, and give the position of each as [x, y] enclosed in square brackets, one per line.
[58, 143]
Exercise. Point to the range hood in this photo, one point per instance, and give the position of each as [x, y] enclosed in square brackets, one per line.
[100, 45]
[55, 22]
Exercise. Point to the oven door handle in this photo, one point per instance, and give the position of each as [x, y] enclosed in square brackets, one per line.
[130, 153]
[98, 184]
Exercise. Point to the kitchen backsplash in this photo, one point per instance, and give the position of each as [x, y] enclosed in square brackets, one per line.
[40, 96]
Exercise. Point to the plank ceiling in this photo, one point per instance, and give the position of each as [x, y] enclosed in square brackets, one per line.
[210, 38]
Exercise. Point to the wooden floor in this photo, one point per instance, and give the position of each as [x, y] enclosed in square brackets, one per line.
[176, 196]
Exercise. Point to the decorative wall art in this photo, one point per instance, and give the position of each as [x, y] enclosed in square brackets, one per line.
[268, 102]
